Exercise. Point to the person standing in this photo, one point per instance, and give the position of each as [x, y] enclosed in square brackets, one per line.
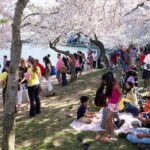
[94, 59]
[42, 68]
[32, 76]
[146, 71]
[63, 74]
[3, 80]
[48, 66]
[133, 56]
[91, 60]
[58, 66]
[4, 62]
[22, 84]
[126, 60]
[77, 64]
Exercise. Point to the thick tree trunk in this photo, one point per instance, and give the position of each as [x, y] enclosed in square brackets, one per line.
[73, 70]
[67, 53]
[8, 141]
[100, 45]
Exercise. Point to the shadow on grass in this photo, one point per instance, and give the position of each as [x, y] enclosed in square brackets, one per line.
[50, 130]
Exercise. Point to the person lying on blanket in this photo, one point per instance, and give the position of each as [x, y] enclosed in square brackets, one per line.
[141, 135]
[82, 114]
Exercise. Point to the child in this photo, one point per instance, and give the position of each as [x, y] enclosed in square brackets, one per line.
[113, 93]
[131, 93]
[82, 114]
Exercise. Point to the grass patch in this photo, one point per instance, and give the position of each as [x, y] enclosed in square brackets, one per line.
[50, 130]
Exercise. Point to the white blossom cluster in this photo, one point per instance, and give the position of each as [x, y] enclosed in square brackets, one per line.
[115, 22]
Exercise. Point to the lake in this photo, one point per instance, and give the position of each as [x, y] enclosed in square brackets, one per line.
[39, 53]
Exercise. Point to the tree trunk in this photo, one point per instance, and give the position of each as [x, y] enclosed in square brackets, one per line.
[67, 53]
[100, 45]
[73, 70]
[8, 141]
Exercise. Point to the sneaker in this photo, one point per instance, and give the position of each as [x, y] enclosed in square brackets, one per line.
[122, 135]
[113, 139]
[120, 124]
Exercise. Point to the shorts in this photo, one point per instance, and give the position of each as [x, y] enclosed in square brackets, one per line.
[58, 74]
[113, 107]
[146, 74]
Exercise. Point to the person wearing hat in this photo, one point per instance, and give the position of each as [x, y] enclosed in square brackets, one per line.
[131, 92]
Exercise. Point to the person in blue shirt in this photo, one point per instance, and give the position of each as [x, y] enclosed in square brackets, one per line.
[82, 114]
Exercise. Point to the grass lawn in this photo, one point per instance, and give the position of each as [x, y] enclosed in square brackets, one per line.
[51, 131]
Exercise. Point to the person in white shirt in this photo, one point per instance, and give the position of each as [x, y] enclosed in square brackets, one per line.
[94, 59]
[146, 72]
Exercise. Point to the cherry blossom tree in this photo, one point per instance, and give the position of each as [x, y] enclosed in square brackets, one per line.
[112, 22]
[8, 141]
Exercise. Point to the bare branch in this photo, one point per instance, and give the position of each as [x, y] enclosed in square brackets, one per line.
[33, 14]
[134, 9]
[115, 10]
[104, 4]
[100, 20]
[55, 12]
[26, 24]
[53, 44]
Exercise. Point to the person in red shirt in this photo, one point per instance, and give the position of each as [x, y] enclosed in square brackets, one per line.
[42, 68]
[142, 58]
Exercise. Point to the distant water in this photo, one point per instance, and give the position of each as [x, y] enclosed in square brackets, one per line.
[39, 53]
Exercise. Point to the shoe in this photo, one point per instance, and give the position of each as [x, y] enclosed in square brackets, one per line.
[120, 124]
[113, 139]
[86, 146]
[122, 135]
[80, 139]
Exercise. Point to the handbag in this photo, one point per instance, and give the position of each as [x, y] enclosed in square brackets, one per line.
[63, 69]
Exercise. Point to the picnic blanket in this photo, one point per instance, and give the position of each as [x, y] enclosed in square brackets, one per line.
[95, 125]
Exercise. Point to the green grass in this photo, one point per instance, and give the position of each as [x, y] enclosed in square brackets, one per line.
[51, 131]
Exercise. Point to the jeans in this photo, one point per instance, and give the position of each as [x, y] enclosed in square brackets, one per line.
[134, 139]
[125, 67]
[35, 104]
[3, 94]
[64, 79]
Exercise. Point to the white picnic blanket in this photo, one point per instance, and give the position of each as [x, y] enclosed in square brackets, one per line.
[95, 125]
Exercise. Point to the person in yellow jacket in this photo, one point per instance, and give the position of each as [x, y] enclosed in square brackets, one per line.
[3, 79]
[32, 76]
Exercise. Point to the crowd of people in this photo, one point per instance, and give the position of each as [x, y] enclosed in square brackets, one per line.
[32, 72]
[108, 96]
[112, 94]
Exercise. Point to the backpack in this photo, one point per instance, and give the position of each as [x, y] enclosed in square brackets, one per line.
[53, 71]
[100, 98]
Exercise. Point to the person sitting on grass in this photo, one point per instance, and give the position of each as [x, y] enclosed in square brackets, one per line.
[140, 135]
[82, 114]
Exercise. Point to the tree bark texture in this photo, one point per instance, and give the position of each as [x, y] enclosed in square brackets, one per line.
[8, 141]
[100, 45]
